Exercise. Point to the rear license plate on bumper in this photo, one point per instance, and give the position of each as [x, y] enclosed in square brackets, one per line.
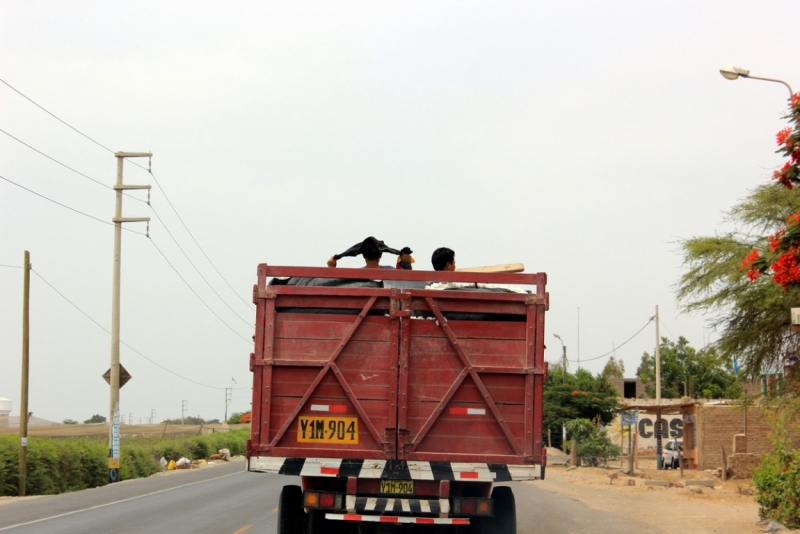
[397, 487]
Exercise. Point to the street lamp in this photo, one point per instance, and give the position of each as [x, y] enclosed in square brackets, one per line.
[732, 73]
[563, 359]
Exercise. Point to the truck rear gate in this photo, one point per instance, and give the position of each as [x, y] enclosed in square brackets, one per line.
[398, 382]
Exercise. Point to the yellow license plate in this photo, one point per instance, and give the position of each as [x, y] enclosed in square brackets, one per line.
[314, 429]
[397, 487]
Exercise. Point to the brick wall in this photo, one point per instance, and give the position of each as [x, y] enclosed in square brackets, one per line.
[718, 424]
[741, 465]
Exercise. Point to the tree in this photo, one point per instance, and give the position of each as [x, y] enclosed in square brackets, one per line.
[752, 317]
[190, 420]
[584, 396]
[69, 422]
[686, 371]
[614, 369]
[96, 418]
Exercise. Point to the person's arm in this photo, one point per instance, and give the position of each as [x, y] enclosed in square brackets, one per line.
[331, 262]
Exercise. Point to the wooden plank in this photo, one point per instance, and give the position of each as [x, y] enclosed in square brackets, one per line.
[502, 268]
[399, 274]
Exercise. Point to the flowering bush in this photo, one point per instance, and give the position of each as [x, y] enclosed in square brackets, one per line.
[777, 480]
[783, 256]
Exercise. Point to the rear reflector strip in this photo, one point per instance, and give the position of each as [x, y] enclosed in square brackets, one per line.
[329, 470]
[334, 408]
[468, 411]
[397, 519]
[467, 474]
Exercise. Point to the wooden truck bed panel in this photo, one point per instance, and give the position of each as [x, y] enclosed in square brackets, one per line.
[399, 374]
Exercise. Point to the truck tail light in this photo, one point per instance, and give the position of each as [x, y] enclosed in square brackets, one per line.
[326, 500]
[468, 506]
[311, 499]
[331, 501]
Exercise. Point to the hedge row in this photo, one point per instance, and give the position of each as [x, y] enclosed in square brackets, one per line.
[58, 465]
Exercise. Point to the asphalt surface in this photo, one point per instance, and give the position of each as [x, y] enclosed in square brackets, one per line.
[226, 499]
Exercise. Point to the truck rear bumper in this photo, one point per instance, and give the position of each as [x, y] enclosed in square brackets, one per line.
[415, 470]
[399, 519]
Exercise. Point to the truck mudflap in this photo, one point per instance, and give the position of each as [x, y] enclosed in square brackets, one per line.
[395, 469]
[399, 519]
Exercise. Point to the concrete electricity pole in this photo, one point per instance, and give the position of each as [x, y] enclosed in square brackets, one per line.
[184, 408]
[118, 219]
[23, 407]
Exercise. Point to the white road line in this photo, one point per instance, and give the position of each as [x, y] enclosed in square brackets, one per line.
[115, 502]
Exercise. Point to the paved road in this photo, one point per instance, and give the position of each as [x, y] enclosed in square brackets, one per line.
[226, 500]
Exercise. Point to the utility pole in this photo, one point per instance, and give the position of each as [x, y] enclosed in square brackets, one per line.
[228, 395]
[118, 219]
[659, 456]
[579, 338]
[153, 416]
[658, 359]
[23, 408]
[184, 407]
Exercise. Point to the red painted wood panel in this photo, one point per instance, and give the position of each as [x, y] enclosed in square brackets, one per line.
[409, 382]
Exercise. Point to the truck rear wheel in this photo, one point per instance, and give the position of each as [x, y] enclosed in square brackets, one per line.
[291, 516]
[504, 519]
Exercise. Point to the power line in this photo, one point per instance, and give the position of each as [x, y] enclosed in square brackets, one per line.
[108, 332]
[196, 295]
[140, 166]
[52, 115]
[98, 182]
[195, 240]
[245, 321]
[65, 206]
[13, 266]
[140, 233]
[623, 344]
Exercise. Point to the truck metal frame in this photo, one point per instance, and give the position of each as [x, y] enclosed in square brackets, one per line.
[397, 404]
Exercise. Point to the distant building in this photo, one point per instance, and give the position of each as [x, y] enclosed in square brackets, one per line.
[629, 388]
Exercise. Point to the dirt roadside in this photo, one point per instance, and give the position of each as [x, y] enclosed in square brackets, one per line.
[667, 509]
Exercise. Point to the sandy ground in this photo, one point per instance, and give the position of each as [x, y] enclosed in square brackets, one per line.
[725, 508]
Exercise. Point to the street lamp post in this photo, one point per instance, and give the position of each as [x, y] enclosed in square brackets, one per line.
[732, 73]
[563, 360]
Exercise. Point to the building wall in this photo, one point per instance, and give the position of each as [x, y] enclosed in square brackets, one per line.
[716, 426]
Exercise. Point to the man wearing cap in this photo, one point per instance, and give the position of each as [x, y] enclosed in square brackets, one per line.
[371, 249]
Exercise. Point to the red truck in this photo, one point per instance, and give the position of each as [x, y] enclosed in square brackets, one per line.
[402, 400]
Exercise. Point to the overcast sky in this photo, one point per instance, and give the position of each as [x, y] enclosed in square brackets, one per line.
[584, 139]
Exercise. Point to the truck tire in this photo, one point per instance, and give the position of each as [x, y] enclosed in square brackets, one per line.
[505, 511]
[291, 516]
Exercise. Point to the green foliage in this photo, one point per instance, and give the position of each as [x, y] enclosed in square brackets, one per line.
[594, 445]
[614, 369]
[583, 397]
[69, 422]
[777, 480]
[96, 418]
[234, 418]
[58, 465]
[54, 465]
[189, 420]
[751, 317]
[686, 371]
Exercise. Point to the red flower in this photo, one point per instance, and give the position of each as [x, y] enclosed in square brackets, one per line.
[795, 100]
[782, 175]
[575, 392]
[750, 258]
[794, 218]
[784, 136]
[753, 274]
[786, 269]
